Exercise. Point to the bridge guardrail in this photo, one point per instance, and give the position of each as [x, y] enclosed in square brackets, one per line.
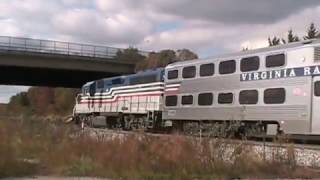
[57, 47]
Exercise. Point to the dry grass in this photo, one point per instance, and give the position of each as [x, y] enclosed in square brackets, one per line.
[31, 147]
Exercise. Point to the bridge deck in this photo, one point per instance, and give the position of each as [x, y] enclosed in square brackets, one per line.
[25, 61]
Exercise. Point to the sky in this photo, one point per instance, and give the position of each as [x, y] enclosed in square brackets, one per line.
[207, 27]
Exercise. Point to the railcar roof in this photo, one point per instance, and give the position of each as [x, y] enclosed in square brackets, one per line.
[149, 71]
[88, 83]
[140, 73]
[254, 51]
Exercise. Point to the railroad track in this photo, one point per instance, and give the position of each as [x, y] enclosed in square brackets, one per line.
[236, 141]
[301, 154]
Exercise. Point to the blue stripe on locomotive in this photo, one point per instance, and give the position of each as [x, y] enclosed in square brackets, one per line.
[142, 77]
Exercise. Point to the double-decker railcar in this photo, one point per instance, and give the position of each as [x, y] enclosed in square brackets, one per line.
[275, 89]
[132, 101]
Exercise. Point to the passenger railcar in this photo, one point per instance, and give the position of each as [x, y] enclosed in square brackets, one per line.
[272, 90]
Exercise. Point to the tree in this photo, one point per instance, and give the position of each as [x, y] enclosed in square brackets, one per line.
[290, 37]
[41, 99]
[164, 57]
[186, 54]
[64, 100]
[130, 54]
[312, 32]
[142, 65]
[274, 41]
[19, 104]
[245, 49]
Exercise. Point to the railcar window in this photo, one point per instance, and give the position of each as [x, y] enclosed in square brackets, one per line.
[227, 67]
[187, 100]
[189, 72]
[100, 84]
[171, 100]
[173, 74]
[274, 96]
[205, 99]
[206, 69]
[275, 60]
[143, 79]
[317, 88]
[250, 64]
[225, 98]
[248, 97]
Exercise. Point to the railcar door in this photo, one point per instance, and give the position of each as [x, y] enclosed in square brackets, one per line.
[316, 105]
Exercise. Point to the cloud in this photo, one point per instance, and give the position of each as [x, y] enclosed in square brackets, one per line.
[91, 26]
[155, 25]
[226, 11]
[235, 11]
[200, 34]
[208, 27]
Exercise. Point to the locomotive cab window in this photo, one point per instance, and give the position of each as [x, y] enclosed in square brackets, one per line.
[173, 74]
[317, 88]
[143, 79]
[92, 89]
[117, 81]
[250, 64]
[275, 60]
[171, 100]
[205, 99]
[227, 67]
[225, 98]
[274, 96]
[248, 97]
[206, 69]
[187, 100]
[189, 72]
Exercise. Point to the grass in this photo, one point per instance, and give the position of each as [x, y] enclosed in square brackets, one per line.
[35, 147]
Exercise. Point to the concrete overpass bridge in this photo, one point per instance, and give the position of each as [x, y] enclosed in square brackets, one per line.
[35, 62]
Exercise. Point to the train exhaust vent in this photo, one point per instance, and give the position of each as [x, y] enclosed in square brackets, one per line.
[317, 54]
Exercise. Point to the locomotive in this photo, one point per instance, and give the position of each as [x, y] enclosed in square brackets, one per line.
[268, 90]
[127, 102]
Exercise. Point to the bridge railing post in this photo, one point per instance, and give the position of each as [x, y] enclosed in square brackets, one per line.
[68, 50]
[9, 42]
[94, 51]
[40, 46]
[81, 50]
[25, 44]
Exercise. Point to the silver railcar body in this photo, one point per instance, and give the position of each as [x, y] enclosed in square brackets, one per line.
[286, 93]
